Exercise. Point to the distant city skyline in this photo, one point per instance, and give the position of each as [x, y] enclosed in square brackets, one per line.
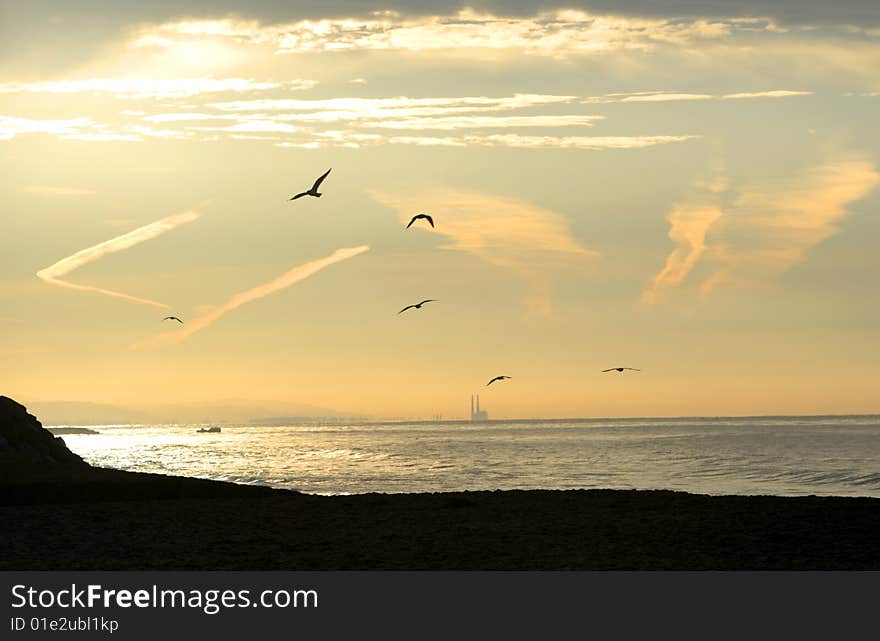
[689, 189]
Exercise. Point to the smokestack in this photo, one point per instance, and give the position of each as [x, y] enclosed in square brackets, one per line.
[472, 405]
[478, 403]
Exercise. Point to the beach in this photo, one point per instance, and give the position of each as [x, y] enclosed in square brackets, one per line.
[95, 519]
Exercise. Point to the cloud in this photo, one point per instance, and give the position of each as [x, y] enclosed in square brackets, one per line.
[138, 89]
[295, 116]
[81, 129]
[65, 266]
[533, 242]
[348, 108]
[289, 278]
[593, 143]
[487, 122]
[669, 96]
[771, 227]
[688, 227]
[766, 230]
[575, 142]
[557, 33]
[10, 126]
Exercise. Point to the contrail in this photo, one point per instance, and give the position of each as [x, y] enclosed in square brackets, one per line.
[53, 273]
[295, 275]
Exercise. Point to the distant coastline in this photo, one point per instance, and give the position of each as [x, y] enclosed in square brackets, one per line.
[71, 430]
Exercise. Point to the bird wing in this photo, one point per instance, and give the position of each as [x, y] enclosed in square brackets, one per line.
[610, 369]
[412, 221]
[406, 308]
[305, 193]
[320, 180]
[429, 300]
[429, 219]
[634, 369]
[493, 380]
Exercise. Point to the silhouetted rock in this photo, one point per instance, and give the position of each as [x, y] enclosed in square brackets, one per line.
[23, 439]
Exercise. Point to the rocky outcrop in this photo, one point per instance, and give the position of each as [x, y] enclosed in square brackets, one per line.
[23, 439]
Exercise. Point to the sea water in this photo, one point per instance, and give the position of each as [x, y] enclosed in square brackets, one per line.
[783, 455]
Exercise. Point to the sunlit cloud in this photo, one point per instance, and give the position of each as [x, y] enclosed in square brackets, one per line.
[138, 89]
[592, 143]
[10, 126]
[688, 227]
[669, 96]
[84, 129]
[254, 126]
[372, 108]
[767, 229]
[428, 141]
[490, 122]
[771, 227]
[54, 273]
[551, 33]
[534, 243]
[575, 142]
[210, 315]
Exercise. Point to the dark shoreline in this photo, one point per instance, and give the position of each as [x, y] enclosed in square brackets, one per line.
[81, 518]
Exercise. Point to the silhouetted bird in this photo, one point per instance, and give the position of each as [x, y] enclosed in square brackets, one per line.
[497, 378]
[620, 369]
[417, 305]
[314, 190]
[417, 216]
[173, 318]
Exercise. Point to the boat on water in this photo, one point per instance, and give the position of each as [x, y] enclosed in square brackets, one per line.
[212, 430]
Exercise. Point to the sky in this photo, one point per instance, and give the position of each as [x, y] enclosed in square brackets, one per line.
[686, 188]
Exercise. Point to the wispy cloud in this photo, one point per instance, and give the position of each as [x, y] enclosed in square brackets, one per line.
[81, 129]
[533, 242]
[289, 278]
[670, 96]
[771, 227]
[54, 273]
[550, 33]
[488, 122]
[277, 118]
[688, 227]
[10, 126]
[138, 89]
[766, 230]
[575, 142]
[374, 108]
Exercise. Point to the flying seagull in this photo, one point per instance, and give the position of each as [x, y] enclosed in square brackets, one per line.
[173, 318]
[417, 305]
[620, 369]
[314, 190]
[497, 378]
[417, 216]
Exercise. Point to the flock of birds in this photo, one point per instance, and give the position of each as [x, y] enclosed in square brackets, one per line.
[313, 191]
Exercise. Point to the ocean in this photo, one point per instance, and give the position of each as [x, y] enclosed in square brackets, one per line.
[782, 455]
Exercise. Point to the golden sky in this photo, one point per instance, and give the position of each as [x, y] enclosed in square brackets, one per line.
[690, 192]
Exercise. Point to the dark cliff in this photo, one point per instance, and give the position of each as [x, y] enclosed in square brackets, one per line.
[23, 439]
